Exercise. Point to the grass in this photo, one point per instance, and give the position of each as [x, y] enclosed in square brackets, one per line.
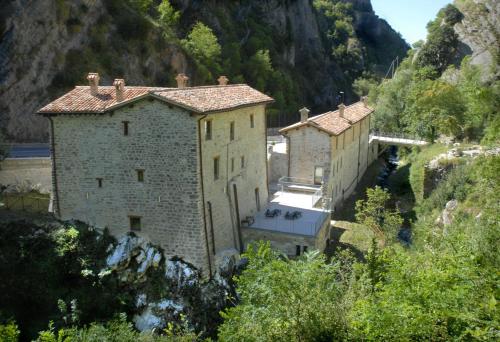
[351, 236]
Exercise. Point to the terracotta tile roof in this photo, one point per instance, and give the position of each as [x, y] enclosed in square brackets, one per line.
[214, 98]
[332, 123]
[198, 99]
[79, 100]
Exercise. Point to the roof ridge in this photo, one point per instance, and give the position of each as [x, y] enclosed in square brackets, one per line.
[209, 86]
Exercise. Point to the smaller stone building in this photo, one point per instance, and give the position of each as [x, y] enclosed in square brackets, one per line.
[181, 166]
[331, 150]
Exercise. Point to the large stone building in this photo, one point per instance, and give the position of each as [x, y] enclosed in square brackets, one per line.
[331, 150]
[180, 166]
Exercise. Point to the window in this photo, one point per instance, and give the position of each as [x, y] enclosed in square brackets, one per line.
[99, 182]
[231, 131]
[232, 164]
[257, 199]
[297, 250]
[140, 175]
[318, 175]
[216, 168]
[135, 223]
[125, 127]
[208, 130]
[251, 121]
[242, 162]
[340, 162]
[304, 249]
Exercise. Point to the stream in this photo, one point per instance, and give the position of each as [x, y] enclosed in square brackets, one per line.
[390, 168]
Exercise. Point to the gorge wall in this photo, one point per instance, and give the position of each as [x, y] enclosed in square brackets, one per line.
[47, 47]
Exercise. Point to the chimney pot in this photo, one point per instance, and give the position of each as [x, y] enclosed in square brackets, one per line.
[182, 80]
[119, 84]
[223, 80]
[304, 114]
[341, 110]
[93, 79]
[365, 100]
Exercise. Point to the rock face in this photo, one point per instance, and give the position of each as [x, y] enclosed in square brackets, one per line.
[46, 47]
[479, 32]
[169, 290]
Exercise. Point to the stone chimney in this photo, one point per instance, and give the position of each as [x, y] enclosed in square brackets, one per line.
[182, 80]
[119, 84]
[341, 110]
[365, 100]
[304, 114]
[223, 80]
[93, 79]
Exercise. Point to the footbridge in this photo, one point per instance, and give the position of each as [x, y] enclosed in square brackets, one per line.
[396, 139]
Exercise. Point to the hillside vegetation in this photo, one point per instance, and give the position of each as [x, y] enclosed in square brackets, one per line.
[437, 90]
[300, 52]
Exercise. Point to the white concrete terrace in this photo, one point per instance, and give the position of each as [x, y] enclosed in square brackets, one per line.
[293, 196]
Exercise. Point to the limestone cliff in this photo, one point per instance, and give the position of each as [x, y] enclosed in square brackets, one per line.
[46, 47]
[479, 32]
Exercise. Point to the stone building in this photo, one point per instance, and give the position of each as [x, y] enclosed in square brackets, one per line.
[326, 157]
[180, 166]
[331, 149]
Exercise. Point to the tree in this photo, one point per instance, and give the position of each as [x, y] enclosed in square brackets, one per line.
[435, 107]
[168, 16]
[201, 43]
[375, 214]
[288, 300]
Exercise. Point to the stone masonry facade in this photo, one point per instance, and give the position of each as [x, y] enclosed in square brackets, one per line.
[162, 143]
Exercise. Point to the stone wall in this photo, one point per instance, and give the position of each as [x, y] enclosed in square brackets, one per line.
[249, 143]
[35, 171]
[162, 141]
[277, 164]
[308, 148]
[280, 241]
[287, 243]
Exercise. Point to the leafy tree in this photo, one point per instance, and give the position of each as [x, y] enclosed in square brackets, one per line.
[435, 107]
[364, 84]
[168, 16]
[375, 214]
[203, 46]
[142, 6]
[260, 69]
[9, 332]
[288, 300]
[115, 330]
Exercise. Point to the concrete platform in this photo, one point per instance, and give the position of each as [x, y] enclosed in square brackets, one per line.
[308, 224]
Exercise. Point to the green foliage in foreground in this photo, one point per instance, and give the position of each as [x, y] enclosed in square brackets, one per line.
[284, 300]
[375, 214]
[442, 288]
[117, 330]
[9, 332]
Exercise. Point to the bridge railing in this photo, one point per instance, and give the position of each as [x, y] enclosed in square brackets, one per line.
[397, 135]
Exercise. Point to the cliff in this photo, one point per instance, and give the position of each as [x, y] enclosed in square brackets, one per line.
[479, 33]
[46, 47]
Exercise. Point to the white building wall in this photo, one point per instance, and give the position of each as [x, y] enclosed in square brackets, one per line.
[249, 143]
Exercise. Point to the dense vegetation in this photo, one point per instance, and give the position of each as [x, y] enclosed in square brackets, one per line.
[435, 92]
[240, 41]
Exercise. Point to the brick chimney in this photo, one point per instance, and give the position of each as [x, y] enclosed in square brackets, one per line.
[304, 114]
[365, 100]
[341, 110]
[119, 84]
[223, 80]
[93, 79]
[182, 80]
